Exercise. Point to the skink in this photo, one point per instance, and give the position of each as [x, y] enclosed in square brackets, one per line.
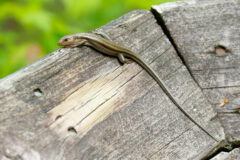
[110, 48]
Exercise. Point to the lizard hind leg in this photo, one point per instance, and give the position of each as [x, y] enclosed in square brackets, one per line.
[122, 59]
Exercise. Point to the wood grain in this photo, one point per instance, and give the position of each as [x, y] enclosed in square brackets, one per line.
[76, 103]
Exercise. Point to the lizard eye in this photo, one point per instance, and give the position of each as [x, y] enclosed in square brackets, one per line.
[65, 40]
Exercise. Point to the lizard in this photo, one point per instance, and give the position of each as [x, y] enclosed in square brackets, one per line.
[106, 46]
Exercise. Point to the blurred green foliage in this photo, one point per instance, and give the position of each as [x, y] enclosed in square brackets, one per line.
[30, 29]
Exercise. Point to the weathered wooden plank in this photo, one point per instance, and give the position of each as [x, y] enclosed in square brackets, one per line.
[206, 34]
[76, 103]
[233, 155]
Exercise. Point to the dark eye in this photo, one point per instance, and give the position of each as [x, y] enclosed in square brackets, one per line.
[65, 40]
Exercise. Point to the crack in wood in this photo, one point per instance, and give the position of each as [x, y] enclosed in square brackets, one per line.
[218, 87]
[166, 31]
[162, 24]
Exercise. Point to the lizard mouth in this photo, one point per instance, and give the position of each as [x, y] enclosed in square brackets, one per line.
[61, 43]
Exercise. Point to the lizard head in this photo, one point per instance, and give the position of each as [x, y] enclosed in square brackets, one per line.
[66, 40]
[71, 40]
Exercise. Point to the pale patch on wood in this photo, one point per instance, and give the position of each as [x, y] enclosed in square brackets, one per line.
[90, 103]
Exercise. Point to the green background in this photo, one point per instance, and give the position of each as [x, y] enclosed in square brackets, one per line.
[31, 28]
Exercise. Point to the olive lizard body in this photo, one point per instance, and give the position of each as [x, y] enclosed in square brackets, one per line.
[110, 48]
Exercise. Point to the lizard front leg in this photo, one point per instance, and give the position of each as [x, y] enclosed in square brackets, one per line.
[122, 59]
